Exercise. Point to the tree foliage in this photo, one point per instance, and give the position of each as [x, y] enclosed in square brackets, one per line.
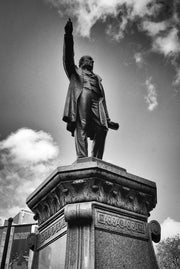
[168, 253]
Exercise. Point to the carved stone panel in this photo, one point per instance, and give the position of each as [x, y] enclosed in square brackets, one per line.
[120, 224]
[51, 232]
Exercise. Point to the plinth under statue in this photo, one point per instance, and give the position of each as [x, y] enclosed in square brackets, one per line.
[92, 214]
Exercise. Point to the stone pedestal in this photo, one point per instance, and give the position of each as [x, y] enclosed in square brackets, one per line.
[93, 215]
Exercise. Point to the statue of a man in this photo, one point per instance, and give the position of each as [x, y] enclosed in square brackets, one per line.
[85, 109]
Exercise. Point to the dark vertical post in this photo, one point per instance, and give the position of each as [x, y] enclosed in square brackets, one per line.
[10, 220]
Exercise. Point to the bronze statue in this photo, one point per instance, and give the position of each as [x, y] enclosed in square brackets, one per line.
[85, 109]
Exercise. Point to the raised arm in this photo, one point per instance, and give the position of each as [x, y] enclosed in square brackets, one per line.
[68, 50]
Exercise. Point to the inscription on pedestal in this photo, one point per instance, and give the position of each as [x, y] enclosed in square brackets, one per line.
[120, 224]
[52, 232]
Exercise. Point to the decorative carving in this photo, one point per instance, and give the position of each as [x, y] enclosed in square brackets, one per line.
[93, 190]
[38, 213]
[104, 184]
[51, 231]
[120, 224]
[56, 201]
[107, 186]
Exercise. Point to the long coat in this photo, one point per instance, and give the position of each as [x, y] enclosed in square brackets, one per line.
[77, 82]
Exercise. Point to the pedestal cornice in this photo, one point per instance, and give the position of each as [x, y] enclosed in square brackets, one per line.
[92, 180]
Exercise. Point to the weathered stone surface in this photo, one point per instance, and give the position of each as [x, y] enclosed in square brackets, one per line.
[118, 251]
[122, 240]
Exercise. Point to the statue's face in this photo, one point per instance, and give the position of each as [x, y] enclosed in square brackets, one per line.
[86, 62]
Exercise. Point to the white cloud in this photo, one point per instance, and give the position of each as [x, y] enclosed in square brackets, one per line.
[151, 97]
[88, 12]
[116, 32]
[159, 20]
[27, 157]
[169, 45]
[176, 81]
[169, 228]
[139, 60]
[154, 28]
[27, 145]
[141, 8]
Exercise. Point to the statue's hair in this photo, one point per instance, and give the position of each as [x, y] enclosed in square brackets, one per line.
[82, 59]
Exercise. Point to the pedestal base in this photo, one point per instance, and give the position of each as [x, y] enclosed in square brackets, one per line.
[93, 215]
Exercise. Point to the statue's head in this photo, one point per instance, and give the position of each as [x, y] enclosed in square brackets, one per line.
[86, 62]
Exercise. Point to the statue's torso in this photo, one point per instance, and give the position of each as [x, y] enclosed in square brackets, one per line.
[91, 82]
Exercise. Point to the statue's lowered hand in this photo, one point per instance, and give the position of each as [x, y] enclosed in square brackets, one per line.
[68, 27]
[113, 125]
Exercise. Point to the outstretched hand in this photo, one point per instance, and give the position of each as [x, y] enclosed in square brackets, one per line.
[68, 27]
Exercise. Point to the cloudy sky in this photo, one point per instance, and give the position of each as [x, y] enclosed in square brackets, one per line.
[136, 48]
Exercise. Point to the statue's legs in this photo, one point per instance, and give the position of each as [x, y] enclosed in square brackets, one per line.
[99, 142]
[100, 131]
[83, 113]
[88, 114]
